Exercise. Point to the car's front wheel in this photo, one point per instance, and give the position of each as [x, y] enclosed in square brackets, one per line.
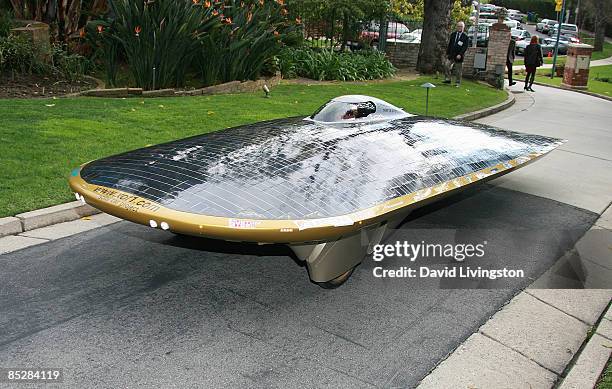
[336, 282]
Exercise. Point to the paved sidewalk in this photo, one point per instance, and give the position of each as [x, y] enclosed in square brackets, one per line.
[578, 172]
[597, 62]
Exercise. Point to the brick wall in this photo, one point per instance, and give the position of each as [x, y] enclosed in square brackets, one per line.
[468, 61]
[403, 55]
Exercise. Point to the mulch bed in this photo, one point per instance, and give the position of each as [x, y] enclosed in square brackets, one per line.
[32, 86]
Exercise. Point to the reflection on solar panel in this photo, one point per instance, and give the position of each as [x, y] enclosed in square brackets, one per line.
[294, 169]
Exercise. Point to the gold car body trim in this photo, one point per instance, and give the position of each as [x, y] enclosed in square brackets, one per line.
[140, 210]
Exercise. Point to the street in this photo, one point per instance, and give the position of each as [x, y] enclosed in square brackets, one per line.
[129, 306]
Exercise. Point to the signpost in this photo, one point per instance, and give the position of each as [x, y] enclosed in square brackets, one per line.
[477, 22]
[559, 6]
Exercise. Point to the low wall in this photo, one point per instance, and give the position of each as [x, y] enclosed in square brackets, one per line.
[228, 87]
[403, 55]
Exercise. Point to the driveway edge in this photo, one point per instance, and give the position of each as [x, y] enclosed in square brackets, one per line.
[488, 111]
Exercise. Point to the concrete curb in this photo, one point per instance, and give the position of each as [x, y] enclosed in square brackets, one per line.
[10, 226]
[592, 360]
[488, 111]
[45, 217]
[584, 92]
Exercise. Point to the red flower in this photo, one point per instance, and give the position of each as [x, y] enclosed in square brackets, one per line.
[215, 12]
[207, 4]
[137, 30]
[100, 28]
[227, 21]
[82, 33]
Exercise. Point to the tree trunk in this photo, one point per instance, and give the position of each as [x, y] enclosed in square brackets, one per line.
[434, 39]
[345, 31]
[600, 33]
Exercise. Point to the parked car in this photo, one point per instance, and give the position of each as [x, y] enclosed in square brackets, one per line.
[487, 8]
[544, 25]
[547, 47]
[516, 15]
[482, 38]
[394, 30]
[512, 24]
[566, 29]
[519, 34]
[519, 49]
[408, 37]
[563, 42]
[487, 18]
[566, 35]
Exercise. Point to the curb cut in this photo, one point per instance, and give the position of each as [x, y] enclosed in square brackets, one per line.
[470, 116]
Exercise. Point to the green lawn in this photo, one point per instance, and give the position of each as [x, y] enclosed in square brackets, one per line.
[560, 60]
[605, 381]
[41, 140]
[595, 86]
[607, 49]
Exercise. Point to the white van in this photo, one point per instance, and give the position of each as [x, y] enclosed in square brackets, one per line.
[512, 23]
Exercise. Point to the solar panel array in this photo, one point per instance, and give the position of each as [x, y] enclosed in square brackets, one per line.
[294, 169]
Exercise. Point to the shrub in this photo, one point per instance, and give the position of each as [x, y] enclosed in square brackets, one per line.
[18, 55]
[6, 23]
[159, 38]
[70, 67]
[329, 65]
[603, 79]
[247, 39]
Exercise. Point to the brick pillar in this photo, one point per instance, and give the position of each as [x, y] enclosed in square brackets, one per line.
[576, 73]
[497, 51]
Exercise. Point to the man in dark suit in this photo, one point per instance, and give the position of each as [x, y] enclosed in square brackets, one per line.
[457, 45]
[510, 59]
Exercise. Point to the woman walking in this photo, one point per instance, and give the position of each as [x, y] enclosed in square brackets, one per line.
[533, 60]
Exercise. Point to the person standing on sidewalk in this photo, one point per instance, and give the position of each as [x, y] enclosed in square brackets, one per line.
[533, 60]
[510, 60]
[455, 51]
